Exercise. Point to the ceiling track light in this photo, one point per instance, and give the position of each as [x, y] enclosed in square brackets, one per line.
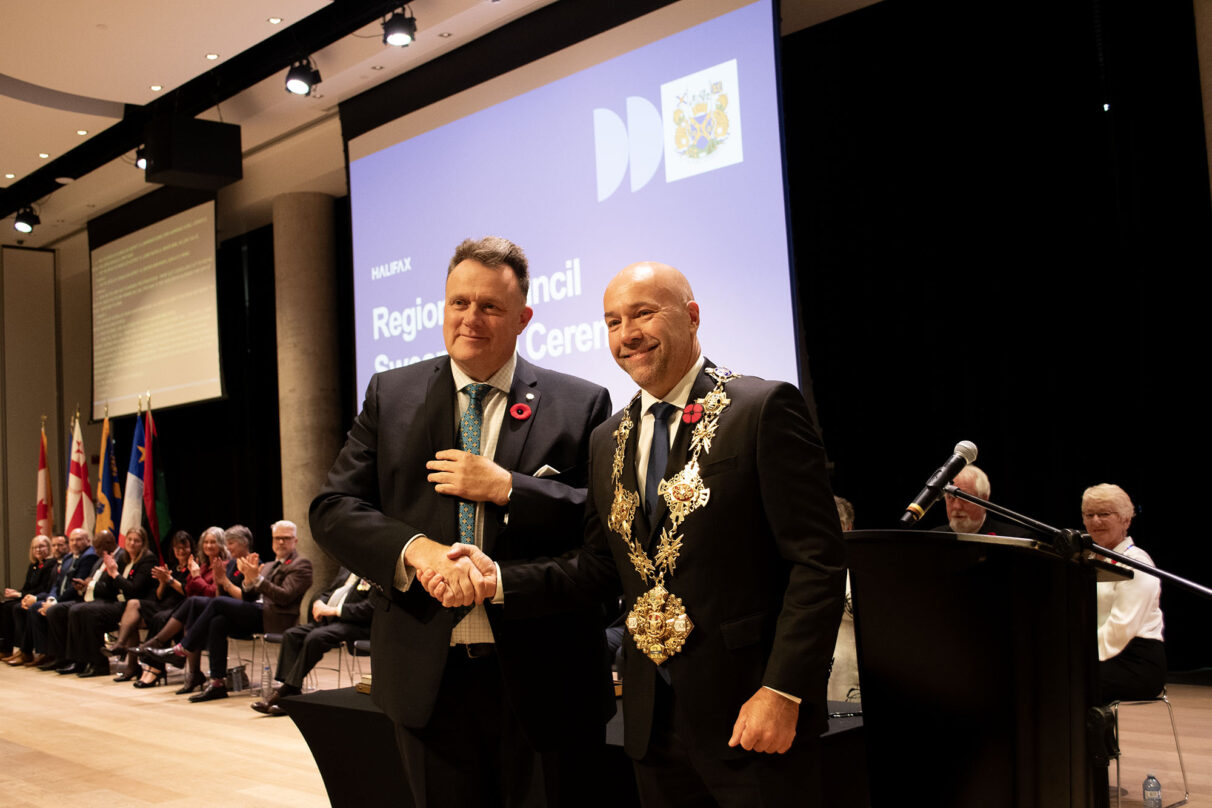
[26, 220]
[141, 158]
[400, 29]
[302, 77]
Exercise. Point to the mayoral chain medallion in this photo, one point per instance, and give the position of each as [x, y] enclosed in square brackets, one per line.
[658, 623]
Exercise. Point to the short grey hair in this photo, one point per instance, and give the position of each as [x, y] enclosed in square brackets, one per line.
[979, 479]
[1109, 492]
[494, 251]
[240, 534]
[285, 523]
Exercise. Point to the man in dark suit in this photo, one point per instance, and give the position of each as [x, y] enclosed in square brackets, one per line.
[79, 564]
[968, 517]
[340, 614]
[729, 555]
[478, 446]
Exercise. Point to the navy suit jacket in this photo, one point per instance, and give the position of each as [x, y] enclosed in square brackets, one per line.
[377, 497]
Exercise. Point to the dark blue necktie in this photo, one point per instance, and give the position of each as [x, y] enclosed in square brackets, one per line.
[658, 453]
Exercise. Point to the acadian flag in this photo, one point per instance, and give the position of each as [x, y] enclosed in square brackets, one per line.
[78, 510]
[109, 491]
[45, 524]
[132, 505]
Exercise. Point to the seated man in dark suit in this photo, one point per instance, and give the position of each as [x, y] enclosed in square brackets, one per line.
[79, 564]
[968, 517]
[281, 584]
[341, 614]
[105, 544]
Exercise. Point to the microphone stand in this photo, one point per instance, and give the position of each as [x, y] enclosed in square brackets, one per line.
[1070, 543]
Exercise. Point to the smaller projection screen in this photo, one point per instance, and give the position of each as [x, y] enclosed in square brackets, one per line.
[155, 316]
[656, 140]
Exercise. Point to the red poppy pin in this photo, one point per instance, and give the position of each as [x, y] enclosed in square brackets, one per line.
[693, 413]
[520, 411]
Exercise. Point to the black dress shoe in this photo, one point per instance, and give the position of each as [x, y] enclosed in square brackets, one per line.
[48, 663]
[70, 667]
[92, 669]
[211, 693]
[275, 709]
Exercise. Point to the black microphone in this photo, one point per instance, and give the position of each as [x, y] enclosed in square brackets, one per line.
[965, 453]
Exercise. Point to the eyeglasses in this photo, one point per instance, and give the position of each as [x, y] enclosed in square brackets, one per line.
[1099, 515]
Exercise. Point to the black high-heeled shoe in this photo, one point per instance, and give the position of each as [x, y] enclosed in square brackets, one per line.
[193, 681]
[161, 678]
[131, 671]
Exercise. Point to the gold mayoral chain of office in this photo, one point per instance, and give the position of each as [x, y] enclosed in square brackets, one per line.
[658, 623]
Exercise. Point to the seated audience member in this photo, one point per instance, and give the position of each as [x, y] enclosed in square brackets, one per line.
[228, 582]
[24, 652]
[340, 614]
[123, 575]
[281, 585]
[1131, 652]
[103, 544]
[968, 517]
[171, 585]
[37, 579]
[79, 565]
[844, 674]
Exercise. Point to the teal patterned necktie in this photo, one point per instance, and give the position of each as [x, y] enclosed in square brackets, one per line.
[469, 441]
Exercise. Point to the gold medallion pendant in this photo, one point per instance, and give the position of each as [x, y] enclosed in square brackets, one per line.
[659, 624]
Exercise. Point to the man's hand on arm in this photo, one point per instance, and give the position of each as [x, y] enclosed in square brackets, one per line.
[485, 567]
[320, 610]
[433, 561]
[766, 723]
[470, 477]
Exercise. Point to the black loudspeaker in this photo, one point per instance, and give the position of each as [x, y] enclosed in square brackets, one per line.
[189, 153]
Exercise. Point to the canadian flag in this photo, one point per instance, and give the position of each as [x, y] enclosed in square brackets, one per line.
[45, 525]
[79, 509]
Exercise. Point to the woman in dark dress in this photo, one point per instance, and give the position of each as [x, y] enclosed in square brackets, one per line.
[170, 591]
[37, 579]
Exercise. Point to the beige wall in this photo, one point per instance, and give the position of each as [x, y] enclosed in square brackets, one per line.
[29, 389]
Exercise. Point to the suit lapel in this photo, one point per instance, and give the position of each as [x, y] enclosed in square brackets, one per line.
[512, 436]
[440, 427]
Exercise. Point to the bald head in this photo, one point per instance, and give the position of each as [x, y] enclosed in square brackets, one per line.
[653, 322]
[79, 540]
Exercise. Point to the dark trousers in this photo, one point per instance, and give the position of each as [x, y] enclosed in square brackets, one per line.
[8, 630]
[304, 646]
[474, 752]
[34, 638]
[1138, 672]
[56, 628]
[222, 618]
[86, 627]
[672, 775]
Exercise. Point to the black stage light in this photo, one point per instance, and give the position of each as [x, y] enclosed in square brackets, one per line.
[141, 158]
[26, 220]
[400, 29]
[301, 77]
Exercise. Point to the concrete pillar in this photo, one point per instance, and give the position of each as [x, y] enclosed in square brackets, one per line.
[309, 408]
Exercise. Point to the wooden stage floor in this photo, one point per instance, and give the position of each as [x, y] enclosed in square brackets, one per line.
[94, 742]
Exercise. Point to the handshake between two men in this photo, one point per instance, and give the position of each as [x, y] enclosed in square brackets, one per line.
[460, 575]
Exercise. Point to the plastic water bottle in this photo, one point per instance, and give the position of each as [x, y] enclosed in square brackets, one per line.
[267, 690]
[1151, 791]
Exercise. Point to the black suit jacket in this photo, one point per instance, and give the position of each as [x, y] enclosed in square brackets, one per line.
[761, 572]
[377, 497]
[356, 609]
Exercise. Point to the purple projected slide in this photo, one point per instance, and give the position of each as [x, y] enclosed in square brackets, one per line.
[667, 153]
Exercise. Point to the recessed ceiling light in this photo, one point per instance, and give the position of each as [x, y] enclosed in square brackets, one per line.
[81, 132]
[376, 67]
[157, 87]
[43, 155]
[274, 20]
[65, 180]
[212, 56]
[10, 176]
[446, 35]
